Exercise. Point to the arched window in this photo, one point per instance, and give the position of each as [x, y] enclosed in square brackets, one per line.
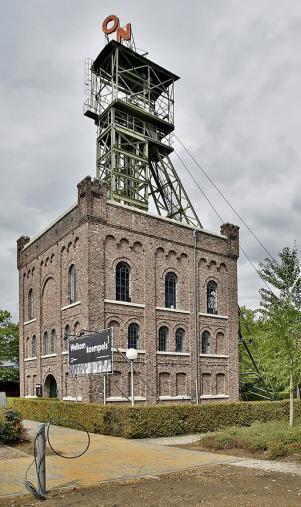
[205, 342]
[220, 383]
[133, 336]
[180, 338]
[113, 324]
[170, 290]
[212, 297]
[220, 343]
[34, 346]
[30, 305]
[123, 274]
[181, 384]
[163, 337]
[164, 384]
[67, 334]
[72, 284]
[206, 384]
[52, 347]
[27, 352]
[45, 343]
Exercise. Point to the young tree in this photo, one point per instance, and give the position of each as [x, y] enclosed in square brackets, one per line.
[281, 311]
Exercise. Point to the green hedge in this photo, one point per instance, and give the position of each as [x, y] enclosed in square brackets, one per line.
[11, 427]
[152, 421]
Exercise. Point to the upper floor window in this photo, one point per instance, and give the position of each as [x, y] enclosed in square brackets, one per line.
[72, 284]
[34, 346]
[123, 273]
[30, 305]
[45, 343]
[212, 297]
[205, 342]
[170, 290]
[52, 347]
[133, 336]
[180, 337]
[163, 337]
[67, 334]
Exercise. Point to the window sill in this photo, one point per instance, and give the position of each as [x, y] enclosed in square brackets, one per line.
[125, 350]
[223, 356]
[30, 359]
[124, 303]
[70, 306]
[48, 355]
[122, 398]
[71, 398]
[29, 322]
[214, 316]
[174, 310]
[214, 396]
[65, 353]
[166, 398]
[166, 353]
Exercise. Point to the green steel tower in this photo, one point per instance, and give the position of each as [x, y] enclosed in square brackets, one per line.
[131, 100]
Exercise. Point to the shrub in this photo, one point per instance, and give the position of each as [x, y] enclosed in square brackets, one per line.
[11, 427]
[275, 439]
[151, 421]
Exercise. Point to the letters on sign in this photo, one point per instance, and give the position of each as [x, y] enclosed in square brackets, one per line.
[112, 24]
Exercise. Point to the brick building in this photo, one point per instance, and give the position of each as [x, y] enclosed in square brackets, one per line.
[164, 284]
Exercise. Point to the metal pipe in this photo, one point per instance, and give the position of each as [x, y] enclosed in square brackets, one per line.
[132, 384]
[41, 459]
[104, 389]
[196, 340]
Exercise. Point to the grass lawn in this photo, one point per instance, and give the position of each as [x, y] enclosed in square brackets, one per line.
[270, 440]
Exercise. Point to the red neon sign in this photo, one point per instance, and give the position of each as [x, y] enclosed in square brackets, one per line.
[112, 24]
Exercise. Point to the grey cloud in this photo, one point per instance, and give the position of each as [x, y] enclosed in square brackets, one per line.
[237, 108]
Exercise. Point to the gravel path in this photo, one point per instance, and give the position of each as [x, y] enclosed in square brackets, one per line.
[178, 440]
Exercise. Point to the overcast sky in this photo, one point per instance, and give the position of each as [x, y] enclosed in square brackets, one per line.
[238, 109]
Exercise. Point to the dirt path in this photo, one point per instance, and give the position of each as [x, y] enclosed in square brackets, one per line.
[218, 486]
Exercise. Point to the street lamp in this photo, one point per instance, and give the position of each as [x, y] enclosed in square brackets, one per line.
[131, 355]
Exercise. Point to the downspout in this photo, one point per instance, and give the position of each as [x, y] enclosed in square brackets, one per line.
[195, 297]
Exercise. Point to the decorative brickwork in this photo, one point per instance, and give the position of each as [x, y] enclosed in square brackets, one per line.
[94, 236]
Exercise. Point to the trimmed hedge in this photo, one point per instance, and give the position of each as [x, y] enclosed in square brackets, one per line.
[152, 421]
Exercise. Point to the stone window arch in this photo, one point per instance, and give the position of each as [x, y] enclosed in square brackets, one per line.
[123, 282]
[30, 315]
[72, 284]
[212, 302]
[180, 340]
[162, 339]
[205, 342]
[171, 290]
[133, 336]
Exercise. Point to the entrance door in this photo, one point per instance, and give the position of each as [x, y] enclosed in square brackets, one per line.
[53, 388]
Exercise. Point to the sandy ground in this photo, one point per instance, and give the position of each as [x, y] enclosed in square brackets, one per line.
[216, 485]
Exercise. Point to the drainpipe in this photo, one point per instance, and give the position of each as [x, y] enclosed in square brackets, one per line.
[195, 297]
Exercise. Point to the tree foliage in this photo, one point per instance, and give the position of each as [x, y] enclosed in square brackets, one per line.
[9, 338]
[280, 309]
